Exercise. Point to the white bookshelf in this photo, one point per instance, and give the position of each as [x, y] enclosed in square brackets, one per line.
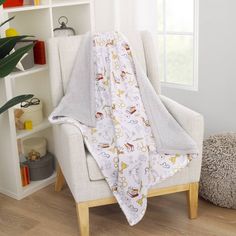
[40, 22]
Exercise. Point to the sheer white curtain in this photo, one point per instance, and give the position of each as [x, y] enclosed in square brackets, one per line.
[136, 14]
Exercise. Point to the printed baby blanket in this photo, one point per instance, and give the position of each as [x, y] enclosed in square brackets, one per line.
[122, 140]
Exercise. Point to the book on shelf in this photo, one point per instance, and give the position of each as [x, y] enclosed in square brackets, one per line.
[25, 177]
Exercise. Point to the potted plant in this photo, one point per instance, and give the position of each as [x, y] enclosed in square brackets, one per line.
[8, 62]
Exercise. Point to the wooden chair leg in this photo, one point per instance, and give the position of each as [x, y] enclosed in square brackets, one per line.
[83, 218]
[60, 180]
[192, 199]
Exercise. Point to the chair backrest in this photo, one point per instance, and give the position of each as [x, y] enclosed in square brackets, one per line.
[62, 53]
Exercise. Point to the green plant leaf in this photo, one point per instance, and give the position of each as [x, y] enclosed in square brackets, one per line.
[4, 22]
[7, 44]
[2, 1]
[8, 63]
[14, 101]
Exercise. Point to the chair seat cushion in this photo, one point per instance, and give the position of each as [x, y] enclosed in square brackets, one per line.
[93, 169]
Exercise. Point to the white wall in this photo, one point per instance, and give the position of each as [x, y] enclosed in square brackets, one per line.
[216, 98]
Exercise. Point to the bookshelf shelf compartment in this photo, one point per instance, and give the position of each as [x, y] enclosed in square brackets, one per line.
[36, 185]
[76, 14]
[24, 133]
[37, 21]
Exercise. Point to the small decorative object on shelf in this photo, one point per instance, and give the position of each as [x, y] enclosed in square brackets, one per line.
[11, 32]
[33, 111]
[19, 124]
[36, 2]
[28, 60]
[33, 155]
[34, 148]
[13, 3]
[63, 30]
[25, 176]
[39, 53]
[28, 125]
[28, 114]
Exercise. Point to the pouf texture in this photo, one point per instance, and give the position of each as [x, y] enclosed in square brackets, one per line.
[218, 175]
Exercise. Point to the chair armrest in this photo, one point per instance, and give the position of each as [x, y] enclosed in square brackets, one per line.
[191, 121]
[71, 155]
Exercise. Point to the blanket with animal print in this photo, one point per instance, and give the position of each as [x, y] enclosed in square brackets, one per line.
[122, 141]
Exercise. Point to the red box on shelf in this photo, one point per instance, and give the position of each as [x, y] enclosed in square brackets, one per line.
[13, 3]
[39, 53]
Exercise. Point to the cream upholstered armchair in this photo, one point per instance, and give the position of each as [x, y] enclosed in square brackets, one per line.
[78, 168]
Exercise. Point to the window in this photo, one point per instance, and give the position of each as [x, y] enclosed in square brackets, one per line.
[178, 43]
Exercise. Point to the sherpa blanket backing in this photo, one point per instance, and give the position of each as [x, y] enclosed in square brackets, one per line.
[122, 140]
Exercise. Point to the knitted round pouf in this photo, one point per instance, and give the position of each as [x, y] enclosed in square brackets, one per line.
[218, 176]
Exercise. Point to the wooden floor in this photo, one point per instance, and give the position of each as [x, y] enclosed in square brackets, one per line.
[47, 213]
